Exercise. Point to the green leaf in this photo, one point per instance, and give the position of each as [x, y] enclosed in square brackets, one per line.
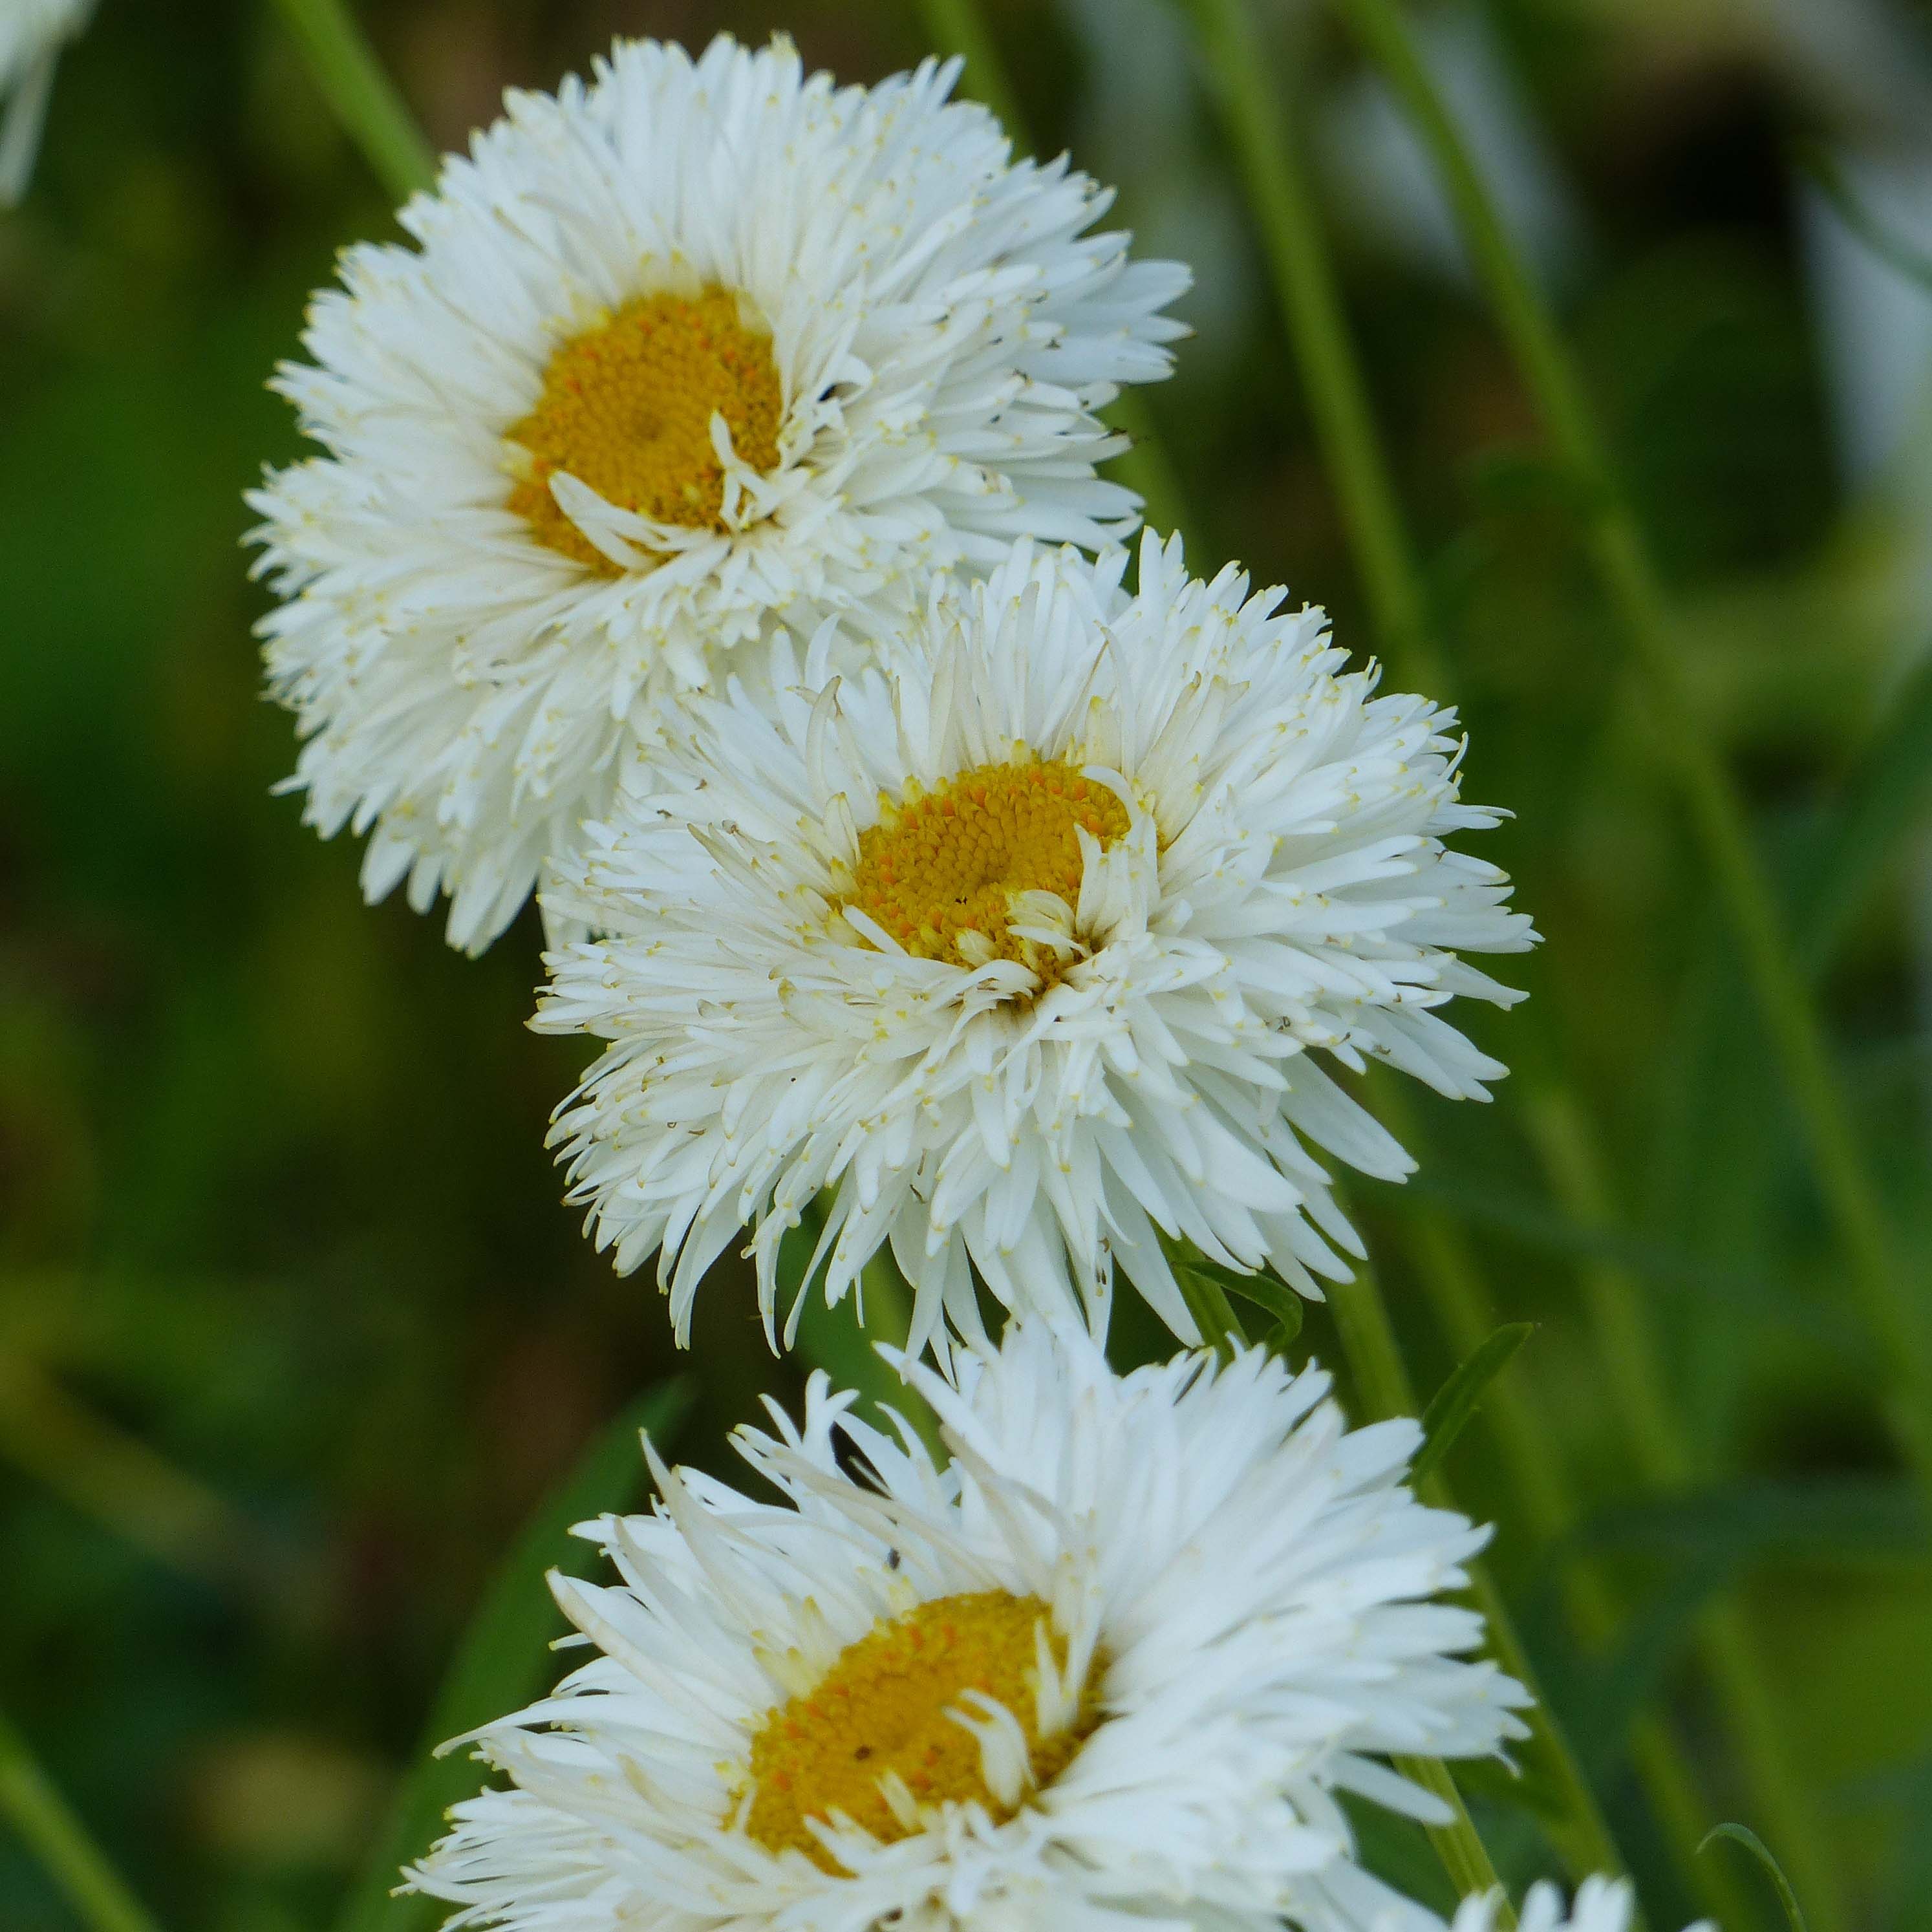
[1461, 1395]
[1269, 1293]
[1214, 1314]
[1205, 1286]
[1740, 1834]
[502, 1660]
[1281, 1339]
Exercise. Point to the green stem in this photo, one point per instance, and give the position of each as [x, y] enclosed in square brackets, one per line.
[1465, 1857]
[1383, 1389]
[361, 93]
[1307, 289]
[1252, 105]
[1716, 812]
[889, 1318]
[60, 1841]
[1727, 1648]
[1305, 285]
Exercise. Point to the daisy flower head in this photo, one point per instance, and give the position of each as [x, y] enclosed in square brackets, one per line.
[700, 348]
[1028, 939]
[1601, 1905]
[1114, 1663]
[32, 33]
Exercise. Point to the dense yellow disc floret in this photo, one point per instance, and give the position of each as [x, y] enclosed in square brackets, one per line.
[881, 1710]
[940, 869]
[627, 407]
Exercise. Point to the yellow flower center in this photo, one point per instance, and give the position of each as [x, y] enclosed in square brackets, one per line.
[941, 870]
[879, 1715]
[626, 408]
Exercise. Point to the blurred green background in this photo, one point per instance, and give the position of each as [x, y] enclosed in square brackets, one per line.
[293, 1331]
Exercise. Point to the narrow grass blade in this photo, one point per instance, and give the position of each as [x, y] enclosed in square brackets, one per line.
[1844, 1522]
[1459, 1398]
[503, 1659]
[1716, 812]
[1740, 1834]
[1270, 1294]
[1257, 111]
[361, 93]
[101, 1470]
[956, 27]
[29, 1803]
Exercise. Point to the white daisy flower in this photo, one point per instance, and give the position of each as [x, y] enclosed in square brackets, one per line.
[1113, 1664]
[1027, 940]
[700, 347]
[1602, 1905]
[32, 33]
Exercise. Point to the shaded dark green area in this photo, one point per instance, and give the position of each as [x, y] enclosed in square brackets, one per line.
[294, 1335]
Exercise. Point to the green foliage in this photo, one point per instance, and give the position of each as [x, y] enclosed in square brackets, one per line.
[1794, 1914]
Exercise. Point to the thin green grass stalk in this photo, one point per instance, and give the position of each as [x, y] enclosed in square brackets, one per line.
[1305, 284]
[1729, 1648]
[957, 27]
[1311, 310]
[1469, 1316]
[29, 1802]
[1459, 1844]
[1383, 1389]
[361, 93]
[1889, 1306]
